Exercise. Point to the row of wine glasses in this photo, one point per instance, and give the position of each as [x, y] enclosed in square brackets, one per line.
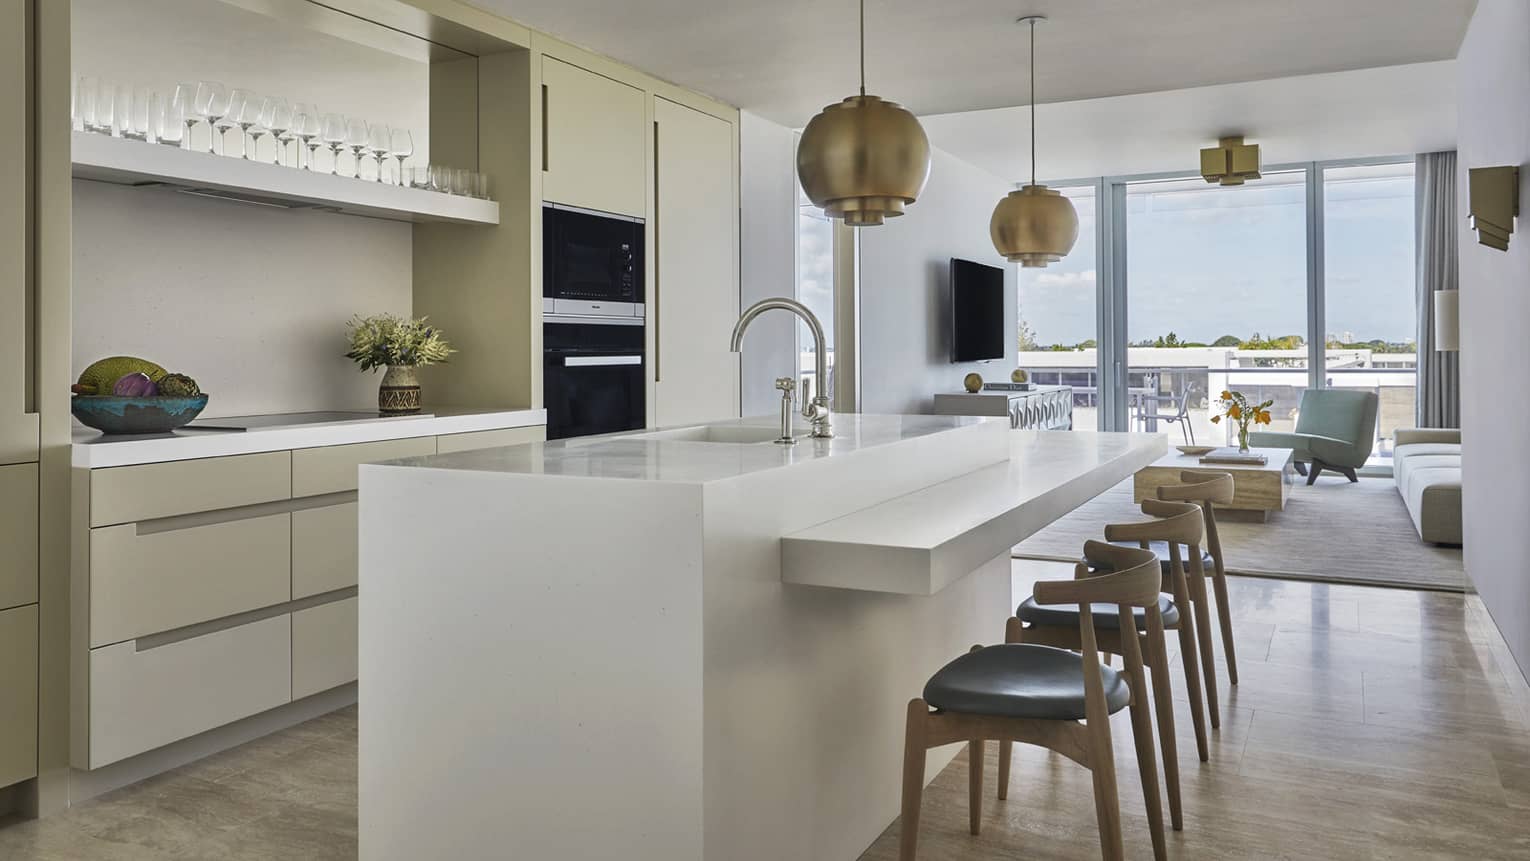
[209, 117]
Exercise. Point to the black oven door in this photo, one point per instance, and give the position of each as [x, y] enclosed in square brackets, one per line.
[590, 257]
[593, 379]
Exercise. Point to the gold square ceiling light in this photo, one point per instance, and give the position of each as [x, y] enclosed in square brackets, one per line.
[1230, 162]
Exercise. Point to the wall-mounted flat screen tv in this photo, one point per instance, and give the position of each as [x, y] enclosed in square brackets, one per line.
[977, 311]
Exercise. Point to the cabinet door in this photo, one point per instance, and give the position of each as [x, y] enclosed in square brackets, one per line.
[323, 647]
[18, 416]
[323, 549]
[18, 694]
[592, 141]
[695, 295]
[18, 534]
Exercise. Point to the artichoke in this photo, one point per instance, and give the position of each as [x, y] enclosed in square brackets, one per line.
[178, 386]
[102, 376]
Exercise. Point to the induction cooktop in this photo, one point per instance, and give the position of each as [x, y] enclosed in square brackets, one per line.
[282, 420]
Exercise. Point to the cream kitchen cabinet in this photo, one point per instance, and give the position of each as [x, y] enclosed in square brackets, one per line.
[18, 694]
[593, 141]
[695, 294]
[19, 427]
[18, 535]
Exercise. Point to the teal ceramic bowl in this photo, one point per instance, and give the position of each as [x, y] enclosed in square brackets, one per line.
[118, 415]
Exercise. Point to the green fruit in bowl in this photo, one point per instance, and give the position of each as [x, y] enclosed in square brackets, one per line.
[99, 378]
[178, 386]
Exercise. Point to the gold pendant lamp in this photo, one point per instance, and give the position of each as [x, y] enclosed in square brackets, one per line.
[1034, 225]
[863, 159]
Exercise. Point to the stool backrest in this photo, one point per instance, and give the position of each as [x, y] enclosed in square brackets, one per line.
[1174, 522]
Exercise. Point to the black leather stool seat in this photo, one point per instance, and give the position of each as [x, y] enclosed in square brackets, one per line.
[1161, 550]
[1019, 680]
[1105, 615]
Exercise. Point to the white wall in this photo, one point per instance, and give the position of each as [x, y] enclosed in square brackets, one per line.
[1494, 67]
[250, 301]
[905, 291]
[767, 256]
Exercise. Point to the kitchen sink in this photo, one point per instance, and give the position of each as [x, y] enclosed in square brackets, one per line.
[732, 434]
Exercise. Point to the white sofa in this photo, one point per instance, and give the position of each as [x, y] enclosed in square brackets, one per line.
[1426, 464]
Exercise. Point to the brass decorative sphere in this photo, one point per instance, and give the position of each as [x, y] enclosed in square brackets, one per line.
[1034, 226]
[1020, 376]
[973, 383]
[863, 160]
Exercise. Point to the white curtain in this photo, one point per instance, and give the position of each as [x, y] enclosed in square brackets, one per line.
[1439, 374]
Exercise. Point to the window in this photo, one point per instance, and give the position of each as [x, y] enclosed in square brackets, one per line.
[1058, 320]
[815, 288]
[1370, 309]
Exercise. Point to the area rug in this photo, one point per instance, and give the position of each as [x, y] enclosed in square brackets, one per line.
[1333, 531]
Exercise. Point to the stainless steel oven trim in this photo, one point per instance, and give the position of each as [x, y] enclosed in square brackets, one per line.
[552, 319]
[596, 212]
[601, 361]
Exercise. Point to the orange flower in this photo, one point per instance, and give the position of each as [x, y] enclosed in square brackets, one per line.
[1234, 413]
[1263, 417]
[1226, 395]
[1216, 420]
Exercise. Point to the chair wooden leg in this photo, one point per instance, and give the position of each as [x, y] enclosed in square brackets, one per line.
[1006, 750]
[1107, 803]
[976, 750]
[1203, 634]
[1142, 736]
[1189, 659]
[1224, 616]
[1163, 703]
[913, 779]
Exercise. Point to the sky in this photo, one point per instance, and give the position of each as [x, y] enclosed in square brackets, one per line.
[1205, 261]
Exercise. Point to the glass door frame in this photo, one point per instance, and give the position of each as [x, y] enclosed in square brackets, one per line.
[1111, 255]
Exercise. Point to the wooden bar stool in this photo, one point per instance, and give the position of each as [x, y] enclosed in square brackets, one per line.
[1039, 694]
[1058, 626]
[1208, 489]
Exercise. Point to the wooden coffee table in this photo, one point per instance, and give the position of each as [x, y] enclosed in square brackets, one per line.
[1257, 490]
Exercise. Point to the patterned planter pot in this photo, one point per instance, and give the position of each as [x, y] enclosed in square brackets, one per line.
[399, 394]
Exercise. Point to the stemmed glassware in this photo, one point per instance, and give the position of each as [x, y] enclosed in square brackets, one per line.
[209, 105]
[333, 135]
[179, 109]
[356, 131]
[243, 113]
[401, 146]
[275, 119]
[379, 141]
[306, 125]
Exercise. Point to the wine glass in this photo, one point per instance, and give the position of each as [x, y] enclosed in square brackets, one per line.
[356, 131]
[332, 132]
[401, 145]
[379, 140]
[243, 113]
[209, 105]
[181, 106]
[276, 119]
[306, 125]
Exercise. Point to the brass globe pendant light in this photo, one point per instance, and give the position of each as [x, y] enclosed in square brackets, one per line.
[1034, 225]
[863, 159]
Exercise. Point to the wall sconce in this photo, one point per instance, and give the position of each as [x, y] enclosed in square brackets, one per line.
[1493, 195]
[1230, 162]
[1447, 320]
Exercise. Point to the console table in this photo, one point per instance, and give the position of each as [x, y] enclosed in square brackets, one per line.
[1040, 408]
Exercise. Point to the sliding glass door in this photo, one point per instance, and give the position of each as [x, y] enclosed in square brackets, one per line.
[1058, 317]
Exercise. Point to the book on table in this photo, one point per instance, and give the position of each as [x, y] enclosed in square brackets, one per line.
[1233, 457]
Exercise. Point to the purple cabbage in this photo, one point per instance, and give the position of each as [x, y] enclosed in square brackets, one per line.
[135, 385]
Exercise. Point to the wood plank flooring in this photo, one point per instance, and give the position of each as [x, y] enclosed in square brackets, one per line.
[1369, 724]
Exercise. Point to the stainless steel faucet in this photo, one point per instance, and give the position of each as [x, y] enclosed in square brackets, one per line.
[814, 409]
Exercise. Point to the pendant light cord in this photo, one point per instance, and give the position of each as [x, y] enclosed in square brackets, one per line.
[863, 47]
[1033, 99]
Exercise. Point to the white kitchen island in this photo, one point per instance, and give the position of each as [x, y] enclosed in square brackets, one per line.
[683, 644]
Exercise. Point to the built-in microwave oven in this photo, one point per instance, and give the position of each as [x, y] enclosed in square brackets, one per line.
[592, 263]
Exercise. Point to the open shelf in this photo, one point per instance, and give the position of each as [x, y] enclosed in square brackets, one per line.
[129, 162]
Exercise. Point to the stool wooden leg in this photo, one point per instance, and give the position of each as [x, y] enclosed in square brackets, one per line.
[1224, 615]
[1203, 633]
[1107, 803]
[913, 779]
[1006, 750]
[1142, 736]
[1163, 704]
[1189, 659]
[976, 750]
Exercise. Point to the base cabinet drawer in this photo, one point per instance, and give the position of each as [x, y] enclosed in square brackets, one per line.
[489, 439]
[140, 700]
[18, 694]
[124, 494]
[18, 535]
[323, 647]
[332, 469]
[323, 549]
[157, 581]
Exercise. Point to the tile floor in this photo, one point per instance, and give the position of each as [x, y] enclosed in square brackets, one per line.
[1369, 723]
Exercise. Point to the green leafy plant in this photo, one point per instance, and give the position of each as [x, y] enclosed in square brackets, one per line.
[387, 339]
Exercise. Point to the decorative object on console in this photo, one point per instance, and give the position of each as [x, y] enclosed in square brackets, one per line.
[1019, 375]
[129, 395]
[863, 159]
[1033, 225]
[1237, 408]
[973, 383]
[1230, 162]
[1196, 450]
[1234, 456]
[1493, 196]
[401, 345]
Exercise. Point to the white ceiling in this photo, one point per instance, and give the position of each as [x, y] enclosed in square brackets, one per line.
[786, 59]
[1396, 110]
